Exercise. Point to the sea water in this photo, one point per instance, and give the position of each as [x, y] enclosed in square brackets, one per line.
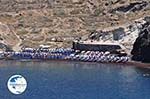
[76, 80]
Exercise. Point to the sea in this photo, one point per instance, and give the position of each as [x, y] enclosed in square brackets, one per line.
[76, 80]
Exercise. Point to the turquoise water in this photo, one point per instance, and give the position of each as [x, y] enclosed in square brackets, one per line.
[76, 80]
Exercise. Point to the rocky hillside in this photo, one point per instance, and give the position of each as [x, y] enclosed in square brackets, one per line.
[58, 22]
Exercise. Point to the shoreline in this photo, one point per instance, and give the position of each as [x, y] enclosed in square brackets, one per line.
[129, 63]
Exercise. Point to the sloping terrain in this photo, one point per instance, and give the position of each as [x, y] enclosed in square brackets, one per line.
[58, 22]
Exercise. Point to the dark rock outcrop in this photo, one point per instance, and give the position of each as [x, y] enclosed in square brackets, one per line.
[141, 47]
[132, 7]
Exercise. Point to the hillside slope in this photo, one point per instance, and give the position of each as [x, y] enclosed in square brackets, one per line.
[58, 22]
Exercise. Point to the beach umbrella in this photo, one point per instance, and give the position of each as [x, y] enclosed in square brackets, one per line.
[125, 59]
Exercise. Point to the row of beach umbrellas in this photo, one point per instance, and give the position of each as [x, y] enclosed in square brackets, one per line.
[96, 56]
[69, 54]
[110, 58]
[52, 50]
[25, 55]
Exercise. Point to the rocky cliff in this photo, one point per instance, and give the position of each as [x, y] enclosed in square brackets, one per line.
[141, 46]
[58, 22]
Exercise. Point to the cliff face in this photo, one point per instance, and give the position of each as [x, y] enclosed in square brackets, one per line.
[58, 22]
[141, 46]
